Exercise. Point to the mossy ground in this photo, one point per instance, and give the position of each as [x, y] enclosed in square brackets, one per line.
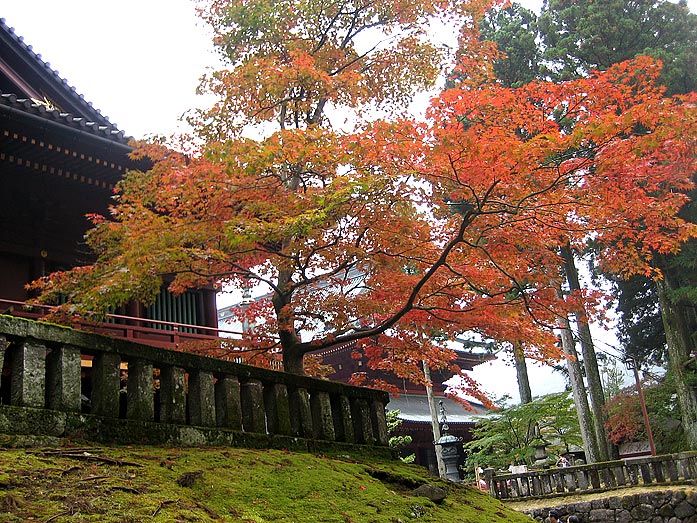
[134, 484]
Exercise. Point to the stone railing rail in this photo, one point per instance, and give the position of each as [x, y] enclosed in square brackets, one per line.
[594, 477]
[63, 382]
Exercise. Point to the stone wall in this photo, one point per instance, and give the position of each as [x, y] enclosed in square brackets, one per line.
[677, 505]
[61, 382]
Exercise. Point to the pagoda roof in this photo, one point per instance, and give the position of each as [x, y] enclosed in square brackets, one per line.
[49, 128]
[33, 82]
[414, 408]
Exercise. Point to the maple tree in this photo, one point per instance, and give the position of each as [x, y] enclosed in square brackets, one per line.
[626, 422]
[398, 232]
[576, 37]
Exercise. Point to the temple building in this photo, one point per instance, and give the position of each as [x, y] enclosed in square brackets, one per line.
[412, 401]
[60, 159]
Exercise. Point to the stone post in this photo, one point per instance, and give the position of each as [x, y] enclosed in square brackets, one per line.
[228, 406]
[3, 349]
[253, 414]
[379, 421]
[362, 426]
[28, 388]
[277, 407]
[201, 398]
[300, 413]
[140, 392]
[63, 386]
[343, 424]
[172, 395]
[322, 418]
[106, 384]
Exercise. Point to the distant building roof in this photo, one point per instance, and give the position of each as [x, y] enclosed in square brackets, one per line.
[414, 408]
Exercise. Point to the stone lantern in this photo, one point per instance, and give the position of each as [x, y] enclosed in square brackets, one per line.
[540, 448]
[449, 449]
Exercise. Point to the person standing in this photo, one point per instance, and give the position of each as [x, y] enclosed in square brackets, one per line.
[553, 516]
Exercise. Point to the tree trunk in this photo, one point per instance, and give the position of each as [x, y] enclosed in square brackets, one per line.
[521, 369]
[590, 362]
[585, 420]
[290, 341]
[293, 361]
[434, 421]
[680, 346]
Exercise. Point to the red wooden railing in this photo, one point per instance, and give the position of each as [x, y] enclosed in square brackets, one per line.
[158, 333]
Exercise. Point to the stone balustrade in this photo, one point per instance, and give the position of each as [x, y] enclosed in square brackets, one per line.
[581, 479]
[61, 382]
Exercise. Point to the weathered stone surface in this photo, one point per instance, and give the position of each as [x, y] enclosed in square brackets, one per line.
[201, 398]
[684, 510]
[300, 413]
[613, 503]
[343, 424]
[598, 503]
[253, 413]
[106, 384]
[228, 406]
[172, 394]
[3, 349]
[128, 406]
[379, 422]
[678, 496]
[140, 392]
[28, 383]
[322, 418]
[666, 510]
[642, 512]
[26, 421]
[277, 405]
[669, 506]
[63, 387]
[432, 492]
[601, 514]
[362, 425]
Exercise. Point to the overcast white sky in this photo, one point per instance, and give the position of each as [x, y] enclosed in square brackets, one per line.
[139, 61]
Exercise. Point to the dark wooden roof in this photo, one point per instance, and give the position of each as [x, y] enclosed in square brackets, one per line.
[25, 74]
[60, 159]
[48, 128]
